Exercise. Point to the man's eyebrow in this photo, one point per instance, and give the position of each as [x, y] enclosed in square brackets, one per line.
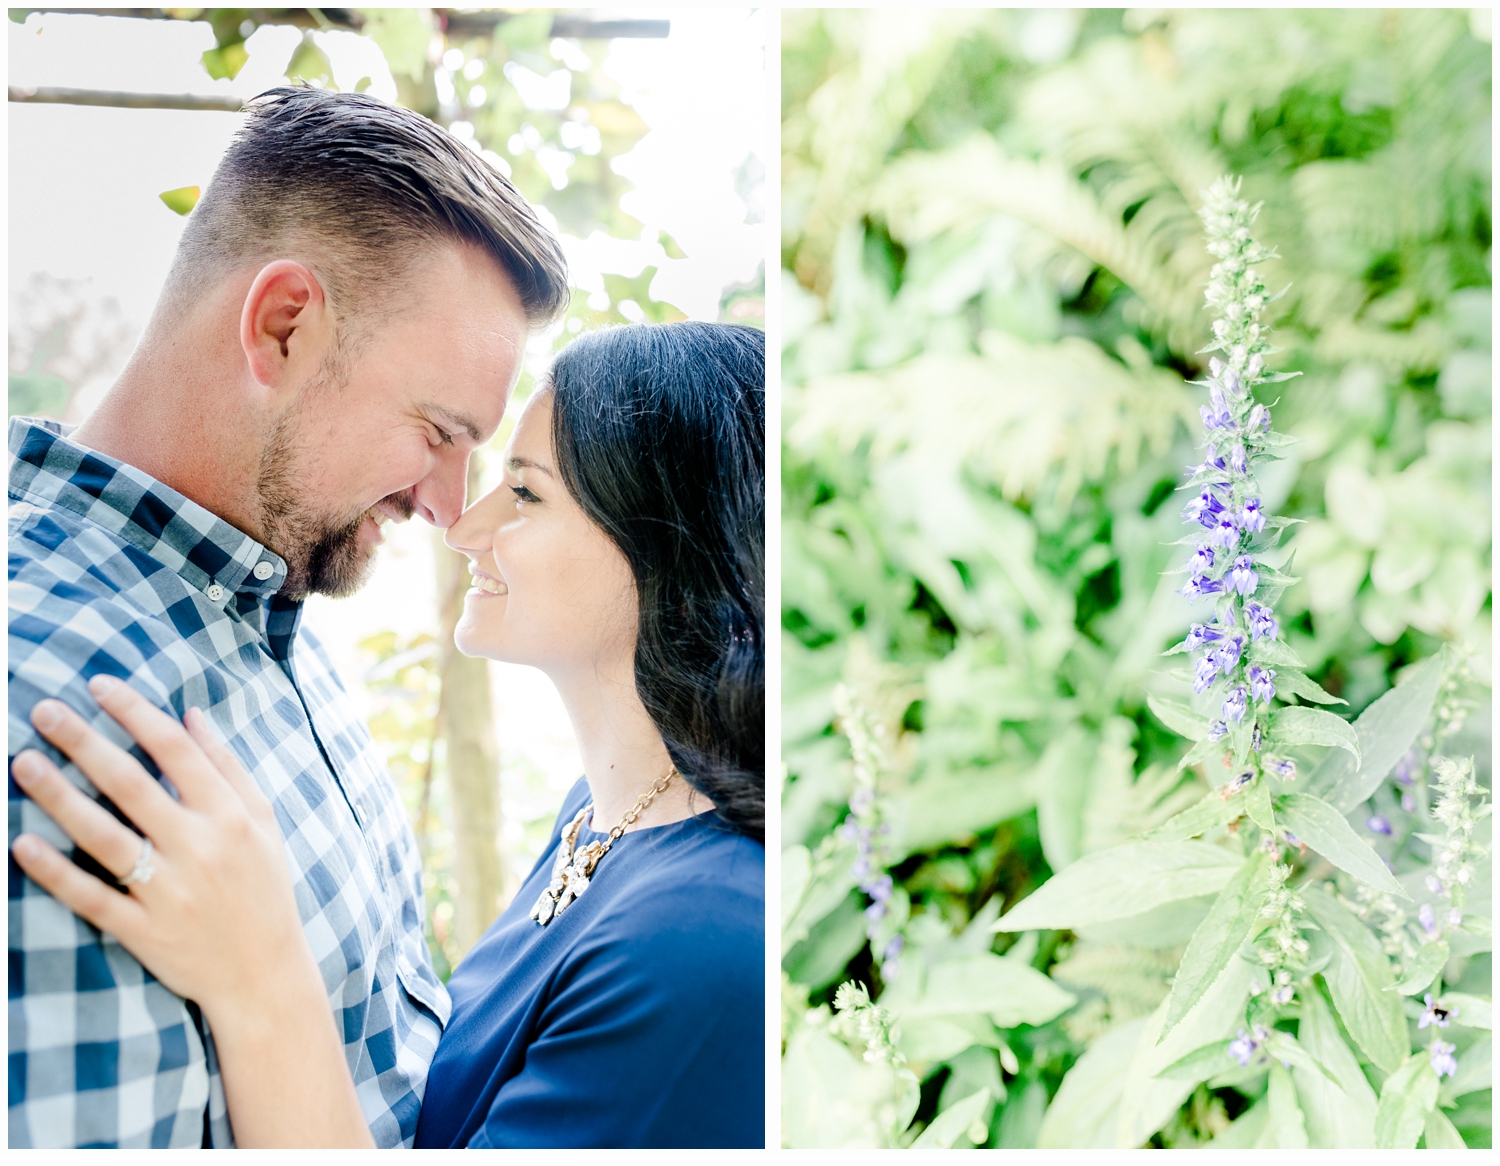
[525, 463]
[455, 420]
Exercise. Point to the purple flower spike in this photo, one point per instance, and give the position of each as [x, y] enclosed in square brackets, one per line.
[1261, 682]
[1428, 921]
[1203, 678]
[1379, 824]
[1242, 576]
[1234, 705]
[1251, 518]
[1443, 1063]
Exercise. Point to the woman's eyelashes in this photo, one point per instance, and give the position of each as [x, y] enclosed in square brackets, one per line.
[523, 494]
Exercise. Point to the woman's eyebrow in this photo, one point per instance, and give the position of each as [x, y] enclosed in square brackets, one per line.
[525, 463]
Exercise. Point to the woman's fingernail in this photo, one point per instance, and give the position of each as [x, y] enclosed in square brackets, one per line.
[27, 767]
[103, 685]
[47, 715]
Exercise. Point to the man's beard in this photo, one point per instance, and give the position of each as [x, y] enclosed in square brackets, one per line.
[323, 555]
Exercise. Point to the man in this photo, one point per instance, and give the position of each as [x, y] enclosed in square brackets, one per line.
[342, 326]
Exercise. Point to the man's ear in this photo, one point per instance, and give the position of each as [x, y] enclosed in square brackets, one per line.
[285, 327]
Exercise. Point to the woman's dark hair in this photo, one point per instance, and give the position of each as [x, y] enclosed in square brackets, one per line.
[659, 433]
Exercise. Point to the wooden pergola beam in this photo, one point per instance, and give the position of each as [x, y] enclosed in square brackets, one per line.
[456, 22]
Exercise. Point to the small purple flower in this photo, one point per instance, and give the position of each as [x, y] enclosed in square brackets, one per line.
[861, 799]
[1292, 839]
[1283, 995]
[1238, 782]
[1434, 884]
[861, 868]
[1283, 767]
[1406, 768]
[1217, 731]
[1229, 652]
[1251, 518]
[1203, 677]
[1202, 561]
[1205, 509]
[1231, 381]
[1200, 634]
[1234, 705]
[1211, 462]
[1259, 420]
[1455, 917]
[1408, 803]
[1237, 458]
[880, 890]
[1443, 1063]
[1435, 1014]
[1224, 533]
[1428, 921]
[875, 912]
[1379, 824]
[894, 949]
[1252, 370]
[1242, 576]
[1201, 585]
[1255, 737]
[1216, 414]
[1262, 682]
[1262, 621]
[1242, 1048]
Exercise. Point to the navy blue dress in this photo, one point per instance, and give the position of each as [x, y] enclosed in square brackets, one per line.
[635, 1018]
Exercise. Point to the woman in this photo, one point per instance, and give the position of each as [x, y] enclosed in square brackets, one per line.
[619, 999]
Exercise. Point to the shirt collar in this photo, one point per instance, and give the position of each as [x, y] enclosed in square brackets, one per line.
[225, 564]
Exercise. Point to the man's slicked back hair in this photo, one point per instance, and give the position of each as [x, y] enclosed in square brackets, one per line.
[360, 191]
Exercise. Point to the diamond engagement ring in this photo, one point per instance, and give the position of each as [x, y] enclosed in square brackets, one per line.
[143, 870]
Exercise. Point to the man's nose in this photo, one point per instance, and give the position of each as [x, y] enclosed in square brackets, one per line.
[440, 495]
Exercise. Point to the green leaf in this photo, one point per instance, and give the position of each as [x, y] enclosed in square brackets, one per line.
[1284, 1047]
[1286, 1114]
[1386, 731]
[1196, 819]
[1085, 1112]
[1441, 1134]
[1007, 991]
[1341, 1114]
[225, 63]
[1230, 922]
[1327, 831]
[1178, 717]
[402, 35]
[1422, 970]
[525, 30]
[1122, 881]
[1357, 975]
[1406, 1100]
[182, 200]
[950, 1125]
[309, 63]
[1469, 1011]
[1293, 682]
[1258, 804]
[1305, 726]
[1275, 653]
[1200, 1064]
[1203, 749]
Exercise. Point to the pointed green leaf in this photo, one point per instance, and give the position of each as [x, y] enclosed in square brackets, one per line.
[1386, 731]
[1293, 682]
[1258, 804]
[1469, 1011]
[1196, 819]
[1284, 1047]
[1122, 881]
[950, 1125]
[1200, 1064]
[1230, 922]
[1406, 1099]
[1203, 749]
[1327, 831]
[1423, 969]
[1339, 1113]
[226, 62]
[1357, 975]
[1286, 1114]
[182, 200]
[1441, 1133]
[1008, 991]
[1276, 654]
[1305, 726]
[1178, 717]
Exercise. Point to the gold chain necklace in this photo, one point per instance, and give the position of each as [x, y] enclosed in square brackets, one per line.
[570, 871]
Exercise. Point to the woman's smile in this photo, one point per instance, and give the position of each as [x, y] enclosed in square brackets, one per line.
[486, 584]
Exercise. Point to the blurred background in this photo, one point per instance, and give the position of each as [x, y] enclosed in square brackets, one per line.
[993, 271]
[640, 135]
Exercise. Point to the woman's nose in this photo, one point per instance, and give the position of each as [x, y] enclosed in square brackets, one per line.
[474, 532]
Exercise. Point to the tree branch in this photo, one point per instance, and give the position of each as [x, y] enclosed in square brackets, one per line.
[114, 100]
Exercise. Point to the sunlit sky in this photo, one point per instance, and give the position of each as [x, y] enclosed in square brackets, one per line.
[84, 186]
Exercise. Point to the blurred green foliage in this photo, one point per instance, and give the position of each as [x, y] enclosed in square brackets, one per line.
[992, 279]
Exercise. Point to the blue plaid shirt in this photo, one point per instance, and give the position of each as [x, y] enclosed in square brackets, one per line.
[110, 571]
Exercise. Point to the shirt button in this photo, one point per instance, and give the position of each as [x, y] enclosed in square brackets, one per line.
[215, 592]
[263, 570]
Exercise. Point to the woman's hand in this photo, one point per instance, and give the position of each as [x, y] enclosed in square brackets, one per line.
[210, 908]
[216, 918]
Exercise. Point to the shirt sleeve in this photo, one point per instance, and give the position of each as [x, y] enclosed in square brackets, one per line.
[654, 1036]
[101, 1053]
